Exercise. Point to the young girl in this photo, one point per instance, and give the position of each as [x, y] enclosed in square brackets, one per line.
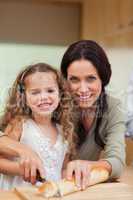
[39, 114]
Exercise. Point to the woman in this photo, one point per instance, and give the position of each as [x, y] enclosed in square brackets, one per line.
[87, 71]
[100, 124]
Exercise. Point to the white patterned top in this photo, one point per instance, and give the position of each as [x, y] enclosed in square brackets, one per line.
[52, 156]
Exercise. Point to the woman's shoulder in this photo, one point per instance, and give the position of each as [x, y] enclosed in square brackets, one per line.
[113, 102]
[115, 108]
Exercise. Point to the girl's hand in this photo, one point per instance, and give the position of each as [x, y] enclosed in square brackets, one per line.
[80, 169]
[30, 163]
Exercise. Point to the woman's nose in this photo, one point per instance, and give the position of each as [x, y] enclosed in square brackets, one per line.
[83, 87]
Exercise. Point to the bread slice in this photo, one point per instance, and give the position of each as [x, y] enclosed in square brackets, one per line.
[48, 189]
[64, 187]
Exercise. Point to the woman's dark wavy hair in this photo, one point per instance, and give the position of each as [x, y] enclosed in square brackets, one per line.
[91, 51]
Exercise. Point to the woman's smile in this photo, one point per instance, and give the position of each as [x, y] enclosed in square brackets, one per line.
[84, 82]
[85, 98]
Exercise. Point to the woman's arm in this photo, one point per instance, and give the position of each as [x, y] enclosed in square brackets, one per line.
[114, 155]
[29, 161]
[10, 147]
[9, 167]
[114, 150]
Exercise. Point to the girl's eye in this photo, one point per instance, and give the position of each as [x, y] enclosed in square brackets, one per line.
[51, 90]
[35, 92]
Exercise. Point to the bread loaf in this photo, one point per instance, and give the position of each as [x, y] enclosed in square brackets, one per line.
[64, 187]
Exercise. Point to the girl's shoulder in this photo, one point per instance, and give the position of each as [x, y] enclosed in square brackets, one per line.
[29, 124]
[29, 130]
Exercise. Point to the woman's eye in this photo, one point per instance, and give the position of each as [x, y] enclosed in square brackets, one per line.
[91, 78]
[73, 79]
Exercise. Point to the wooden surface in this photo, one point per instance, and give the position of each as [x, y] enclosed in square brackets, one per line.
[129, 151]
[127, 176]
[122, 190]
[108, 22]
[105, 191]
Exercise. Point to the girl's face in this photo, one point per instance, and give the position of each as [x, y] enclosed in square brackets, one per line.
[84, 82]
[42, 93]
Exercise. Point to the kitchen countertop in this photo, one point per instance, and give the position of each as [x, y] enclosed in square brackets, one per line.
[121, 190]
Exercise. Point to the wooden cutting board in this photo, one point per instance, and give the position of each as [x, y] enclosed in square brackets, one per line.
[105, 191]
[29, 193]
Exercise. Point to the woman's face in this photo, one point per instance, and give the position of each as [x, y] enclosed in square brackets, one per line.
[84, 82]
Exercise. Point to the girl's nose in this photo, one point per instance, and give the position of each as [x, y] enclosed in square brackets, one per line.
[44, 96]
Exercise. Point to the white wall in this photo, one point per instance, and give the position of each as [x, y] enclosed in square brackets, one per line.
[122, 67]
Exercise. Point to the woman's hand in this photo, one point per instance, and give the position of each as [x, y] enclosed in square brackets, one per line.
[30, 164]
[29, 161]
[80, 169]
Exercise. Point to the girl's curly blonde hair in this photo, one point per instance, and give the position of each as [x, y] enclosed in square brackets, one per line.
[16, 109]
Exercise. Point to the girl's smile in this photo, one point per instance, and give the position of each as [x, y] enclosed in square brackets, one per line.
[42, 93]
